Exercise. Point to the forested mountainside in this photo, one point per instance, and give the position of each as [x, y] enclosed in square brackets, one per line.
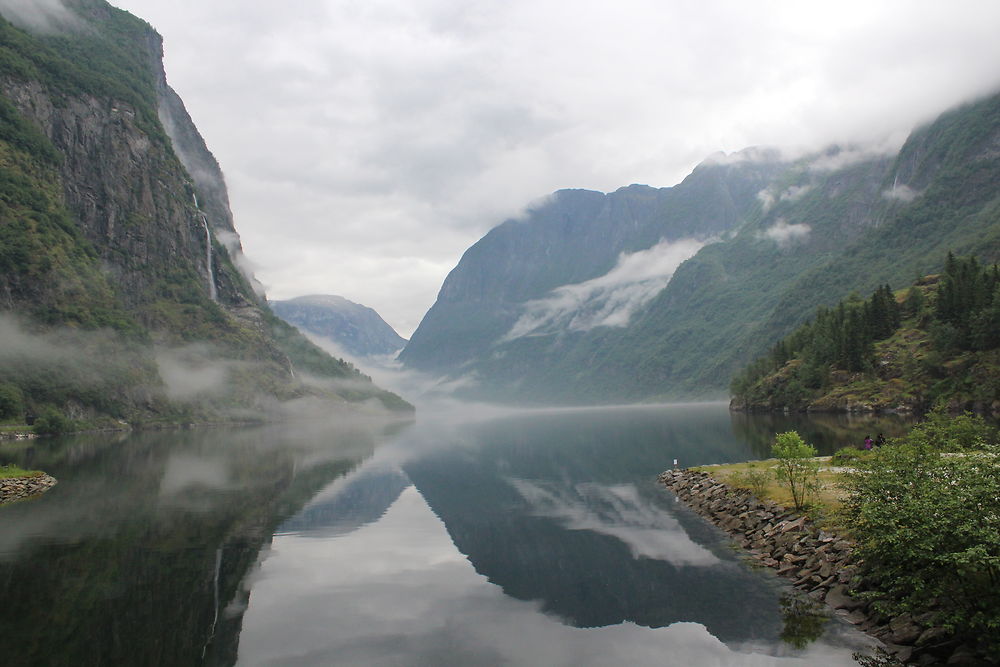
[122, 296]
[358, 330]
[805, 233]
[937, 341]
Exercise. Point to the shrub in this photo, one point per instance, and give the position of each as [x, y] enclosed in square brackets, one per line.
[753, 479]
[795, 468]
[944, 432]
[928, 533]
[849, 456]
[51, 422]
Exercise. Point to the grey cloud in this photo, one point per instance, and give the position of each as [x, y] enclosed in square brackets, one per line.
[190, 373]
[367, 146]
[784, 234]
[607, 300]
[792, 193]
[39, 15]
[835, 159]
[902, 193]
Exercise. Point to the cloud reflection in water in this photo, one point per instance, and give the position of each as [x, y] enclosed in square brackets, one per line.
[618, 511]
[397, 592]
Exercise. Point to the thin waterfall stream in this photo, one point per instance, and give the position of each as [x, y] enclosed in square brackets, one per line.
[213, 292]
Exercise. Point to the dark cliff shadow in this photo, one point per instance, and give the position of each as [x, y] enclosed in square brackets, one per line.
[141, 554]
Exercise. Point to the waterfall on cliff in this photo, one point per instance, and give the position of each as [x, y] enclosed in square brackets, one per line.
[212, 291]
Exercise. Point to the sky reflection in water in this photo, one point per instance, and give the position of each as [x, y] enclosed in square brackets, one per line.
[565, 556]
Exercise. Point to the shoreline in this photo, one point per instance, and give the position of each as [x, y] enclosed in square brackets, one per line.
[818, 563]
[18, 488]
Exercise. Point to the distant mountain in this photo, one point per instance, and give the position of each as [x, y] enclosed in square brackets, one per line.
[123, 296]
[578, 263]
[593, 298]
[356, 329]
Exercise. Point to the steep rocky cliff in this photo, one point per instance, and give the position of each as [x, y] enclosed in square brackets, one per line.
[115, 219]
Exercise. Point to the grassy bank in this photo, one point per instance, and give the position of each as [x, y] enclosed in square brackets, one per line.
[923, 514]
[759, 477]
[11, 471]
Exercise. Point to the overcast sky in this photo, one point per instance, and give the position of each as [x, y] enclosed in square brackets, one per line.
[368, 143]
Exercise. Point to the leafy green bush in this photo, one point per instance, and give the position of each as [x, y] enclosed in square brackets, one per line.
[928, 534]
[944, 432]
[51, 422]
[796, 469]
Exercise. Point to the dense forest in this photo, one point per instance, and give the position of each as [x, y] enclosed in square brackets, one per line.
[937, 340]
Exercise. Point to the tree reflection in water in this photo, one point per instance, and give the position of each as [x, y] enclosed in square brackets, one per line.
[804, 619]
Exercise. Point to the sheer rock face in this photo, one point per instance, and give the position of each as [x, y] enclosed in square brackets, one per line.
[117, 219]
[129, 192]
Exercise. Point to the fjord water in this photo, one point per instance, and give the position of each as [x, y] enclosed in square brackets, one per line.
[531, 538]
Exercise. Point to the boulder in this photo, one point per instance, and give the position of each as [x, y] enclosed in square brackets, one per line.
[903, 630]
[933, 636]
[838, 598]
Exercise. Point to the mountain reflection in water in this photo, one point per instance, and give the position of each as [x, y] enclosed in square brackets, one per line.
[527, 539]
[534, 539]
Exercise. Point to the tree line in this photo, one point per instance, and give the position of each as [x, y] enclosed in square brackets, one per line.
[963, 315]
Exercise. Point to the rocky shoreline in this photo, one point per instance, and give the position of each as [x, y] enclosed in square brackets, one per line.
[16, 488]
[818, 563]
[17, 435]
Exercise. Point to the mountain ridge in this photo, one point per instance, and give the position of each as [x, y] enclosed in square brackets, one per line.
[837, 220]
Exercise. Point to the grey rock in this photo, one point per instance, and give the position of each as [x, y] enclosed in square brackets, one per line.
[903, 630]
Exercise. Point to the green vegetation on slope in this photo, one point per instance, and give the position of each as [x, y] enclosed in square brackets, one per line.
[938, 340]
[833, 223]
[104, 309]
[97, 59]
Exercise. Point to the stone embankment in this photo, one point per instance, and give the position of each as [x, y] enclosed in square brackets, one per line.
[819, 563]
[15, 488]
[17, 435]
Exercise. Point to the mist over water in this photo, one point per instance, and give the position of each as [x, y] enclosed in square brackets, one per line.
[481, 538]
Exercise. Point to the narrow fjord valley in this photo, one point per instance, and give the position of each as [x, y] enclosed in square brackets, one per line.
[218, 489]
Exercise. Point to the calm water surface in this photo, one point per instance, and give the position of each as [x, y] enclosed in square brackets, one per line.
[509, 539]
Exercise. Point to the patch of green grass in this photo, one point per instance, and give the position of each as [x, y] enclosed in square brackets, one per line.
[824, 507]
[15, 427]
[11, 470]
